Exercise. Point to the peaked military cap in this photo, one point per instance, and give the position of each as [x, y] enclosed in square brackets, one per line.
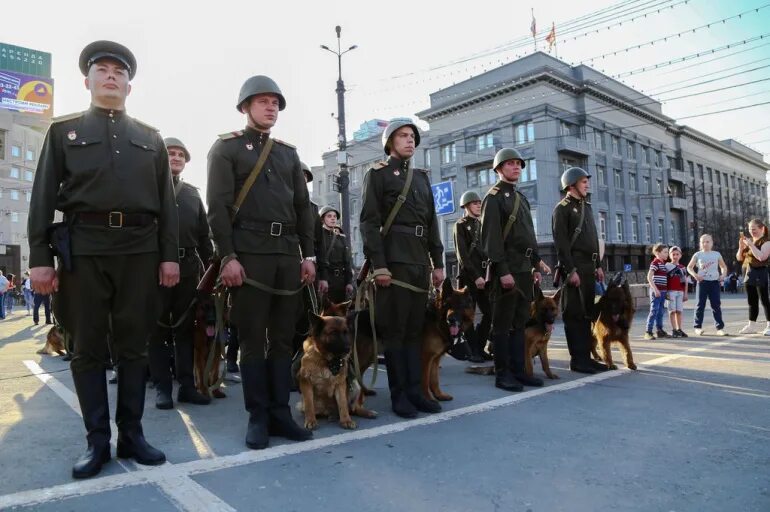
[107, 50]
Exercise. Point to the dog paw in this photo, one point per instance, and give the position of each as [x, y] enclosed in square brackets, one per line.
[631, 366]
[311, 424]
[443, 397]
[553, 376]
[612, 366]
[348, 424]
[218, 393]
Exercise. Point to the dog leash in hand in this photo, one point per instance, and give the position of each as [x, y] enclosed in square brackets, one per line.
[182, 318]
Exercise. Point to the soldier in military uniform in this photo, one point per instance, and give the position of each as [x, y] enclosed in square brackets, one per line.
[577, 247]
[508, 239]
[473, 268]
[265, 240]
[402, 260]
[175, 325]
[109, 174]
[334, 270]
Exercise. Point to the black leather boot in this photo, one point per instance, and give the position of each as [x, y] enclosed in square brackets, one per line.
[475, 345]
[281, 423]
[132, 379]
[395, 362]
[257, 400]
[579, 346]
[518, 359]
[504, 378]
[184, 373]
[163, 398]
[414, 381]
[91, 388]
[160, 372]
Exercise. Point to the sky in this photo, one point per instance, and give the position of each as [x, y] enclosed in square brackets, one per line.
[193, 59]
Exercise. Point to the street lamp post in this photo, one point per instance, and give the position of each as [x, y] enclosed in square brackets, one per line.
[343, 182]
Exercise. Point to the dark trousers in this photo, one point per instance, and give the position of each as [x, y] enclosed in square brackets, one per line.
[175, 304]
[578, 310]
[336, 293]
[754, 295]
[481, 299]
[266, 322]
[45, 300]
[510, 308]
[400, 313]
[709, 290]
[108, 296]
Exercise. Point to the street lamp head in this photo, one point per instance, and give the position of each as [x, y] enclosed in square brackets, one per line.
[338, 29]
[324, 47]
[353, 47]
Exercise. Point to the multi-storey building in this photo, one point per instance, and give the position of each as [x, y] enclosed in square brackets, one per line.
[654, 180]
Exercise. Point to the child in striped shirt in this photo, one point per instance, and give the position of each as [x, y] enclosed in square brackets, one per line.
[657, 277]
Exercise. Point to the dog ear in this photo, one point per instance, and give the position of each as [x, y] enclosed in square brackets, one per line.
[446, 288]
[316, 323]
[538, 295]
[345, 306]
[557, 296]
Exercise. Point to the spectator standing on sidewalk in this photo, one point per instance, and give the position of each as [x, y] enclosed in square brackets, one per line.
[753, 253]
[657, 277]
[677, 291]
[4, 287]
[26, 288]
[711, 272]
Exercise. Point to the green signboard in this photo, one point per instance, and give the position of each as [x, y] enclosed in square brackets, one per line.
[25, 60]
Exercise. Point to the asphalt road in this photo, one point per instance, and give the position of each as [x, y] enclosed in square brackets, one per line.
[689, 431]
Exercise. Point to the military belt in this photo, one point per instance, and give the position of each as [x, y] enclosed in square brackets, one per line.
[580, 255]
[270, 228]
[114, 219]
[185, 252]
[418, 231]
[337, 271]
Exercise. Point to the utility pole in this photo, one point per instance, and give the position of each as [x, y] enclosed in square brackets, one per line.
[343, 180]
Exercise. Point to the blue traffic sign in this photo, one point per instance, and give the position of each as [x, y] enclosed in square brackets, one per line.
[444, 197]
[627, 267]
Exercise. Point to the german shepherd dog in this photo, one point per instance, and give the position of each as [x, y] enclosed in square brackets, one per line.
[537, 332]
[323, 375]
[204, 332]
[451, 313]
[54, 342]
[614, 313]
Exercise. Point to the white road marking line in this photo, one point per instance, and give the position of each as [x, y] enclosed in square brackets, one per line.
[188, 495]
[202, 447]
[168, 475]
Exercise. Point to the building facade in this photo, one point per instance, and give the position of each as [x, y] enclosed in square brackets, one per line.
[653, 180]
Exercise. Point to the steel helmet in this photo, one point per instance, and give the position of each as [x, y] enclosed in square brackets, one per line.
[260, 84]
[468, 197]
[571, 176]
[391, 129]
[326, 209]
[173, 142]
[506, 154]
[306, 171]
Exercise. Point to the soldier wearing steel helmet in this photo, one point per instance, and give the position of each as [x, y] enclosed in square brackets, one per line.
[335, 275]
[109, 174]
[577, 248]
[268, 240]
[406, 253]
[509, 241]
[473, 268]
[175, 324]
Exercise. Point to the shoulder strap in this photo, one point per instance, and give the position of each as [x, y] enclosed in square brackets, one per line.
[178, 188]
[512, 216]
[579, 228]
[331, 246]
[399, 203]
[251, 179]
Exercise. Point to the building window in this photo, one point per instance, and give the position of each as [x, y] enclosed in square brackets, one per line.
[603, 225]
[450, 239]
[710, 176]
[531, 170]
[700, 172]
[648, 229]
[645, 155]
[30, 156]
[634, 228]
[632, 181]
[645, 185]
[674, 236]
[630, 150]
[14, 216]
[448, 153]
[599, 140]
[618, 179]
[525, 132]
[29, 176]
[658, 158]
[661, 229]
[483, 177]
[2, 145]
[16, 151]
[355, 234]
[14, 173]
[601, 175]
[719, 201]
[619, 227]
[28, 196]
[569, 129]
[659, 186]
[733, 180]
[472, 178]
[14, 194]
[615, 145]
[427, 158]
[691, 168]
[485, 141]
[719, 178]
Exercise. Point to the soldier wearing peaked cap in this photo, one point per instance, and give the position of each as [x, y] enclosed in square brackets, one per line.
[509, 241]
[175, 324]
[577, 248]
[402, 243]
[260, 218]
[109, 174]
[335, 272]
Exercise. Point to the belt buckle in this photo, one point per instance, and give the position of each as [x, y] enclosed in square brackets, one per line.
[337, 272]
[182, 252]
[528, 252]
[484, 264]
[594, 256]
[113, 224]
[418, 231]
[276, 228]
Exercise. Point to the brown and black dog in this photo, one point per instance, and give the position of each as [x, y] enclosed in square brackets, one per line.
[451, 313]
[613, 316]
[204, 333]
[537, 333]
[54, 342]
[323, 375]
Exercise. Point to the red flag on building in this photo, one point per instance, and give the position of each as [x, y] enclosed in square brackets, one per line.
[551, 37]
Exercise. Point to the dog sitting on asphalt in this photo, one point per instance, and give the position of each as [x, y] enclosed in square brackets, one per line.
[544, 311]
[54, 342]
[614, 314]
